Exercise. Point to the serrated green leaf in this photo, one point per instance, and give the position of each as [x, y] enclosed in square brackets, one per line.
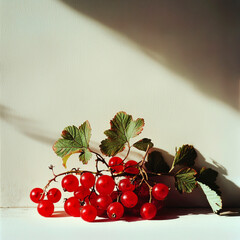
[134, 128]
[74, 140]
[155, 163]
[185, 180]
[123, 128]
[213, 198]
[66, 135]
[185, 155]
[208, 177]
[112, 147]
[85, 156]
[143, 144]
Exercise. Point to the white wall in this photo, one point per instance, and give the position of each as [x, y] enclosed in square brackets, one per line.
[60, 67]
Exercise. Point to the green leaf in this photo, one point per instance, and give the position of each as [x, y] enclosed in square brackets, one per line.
[155, 163]
[85, 156]
[208, 176]
[66, 135]
[112, 147]
[185, 155]
[185, 180]
[123, 128]
[143, 144]
[213, 198]
[74, 140]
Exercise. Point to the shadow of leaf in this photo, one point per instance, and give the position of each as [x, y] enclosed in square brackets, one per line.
[26, 126]
[230, 191]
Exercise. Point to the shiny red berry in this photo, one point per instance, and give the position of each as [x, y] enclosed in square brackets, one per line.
[115, 210]
[160, 191]
[114, 196]
[103, 201]
[45, 208]
[87, 179]
[131, 167]
[126, 185]
[72, 207]
[148, 211]
[129, 199]
[89, 213]
[70, 183]
[105, 185]
[37, 195]
[54, 195]
[92, 198]
[116, 164]
[81, 193]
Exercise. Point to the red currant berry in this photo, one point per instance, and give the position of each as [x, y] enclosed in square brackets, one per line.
[37, 195]
[87, 179]
[93, 198]
[116, 164]
[89, 213]
[129, 199]
[105, 185]
[103, 201]
[72, 207]
[126, 185]
[131, 167]
[114, 196]
[148, 211]
[115, 210]
[70, 183]
[160, 191]
[45, 208]
[54, 195]
[81, 193]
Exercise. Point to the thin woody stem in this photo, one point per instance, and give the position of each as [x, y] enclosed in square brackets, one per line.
[145, 175]
[129, 148]
[64, 173]
[160, 174]
[142, 172]
[144, 158]
[100, 158]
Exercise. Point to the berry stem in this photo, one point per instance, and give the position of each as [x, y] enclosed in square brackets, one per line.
[129, 149]
[99, 158]
[77, 171]
[145, 177]
[144, 158]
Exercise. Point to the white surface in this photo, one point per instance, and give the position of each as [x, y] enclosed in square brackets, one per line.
[60, 67]
[179, 224]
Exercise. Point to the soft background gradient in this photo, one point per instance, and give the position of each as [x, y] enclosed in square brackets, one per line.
[173, 63]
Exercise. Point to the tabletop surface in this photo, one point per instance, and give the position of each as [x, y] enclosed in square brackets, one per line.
[177, 224]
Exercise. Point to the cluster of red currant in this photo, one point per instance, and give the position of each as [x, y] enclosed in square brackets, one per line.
[126, 191]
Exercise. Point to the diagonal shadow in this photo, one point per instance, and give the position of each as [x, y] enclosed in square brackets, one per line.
[31, 129]
[230, 191]
[198, 40]
[26, 126]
